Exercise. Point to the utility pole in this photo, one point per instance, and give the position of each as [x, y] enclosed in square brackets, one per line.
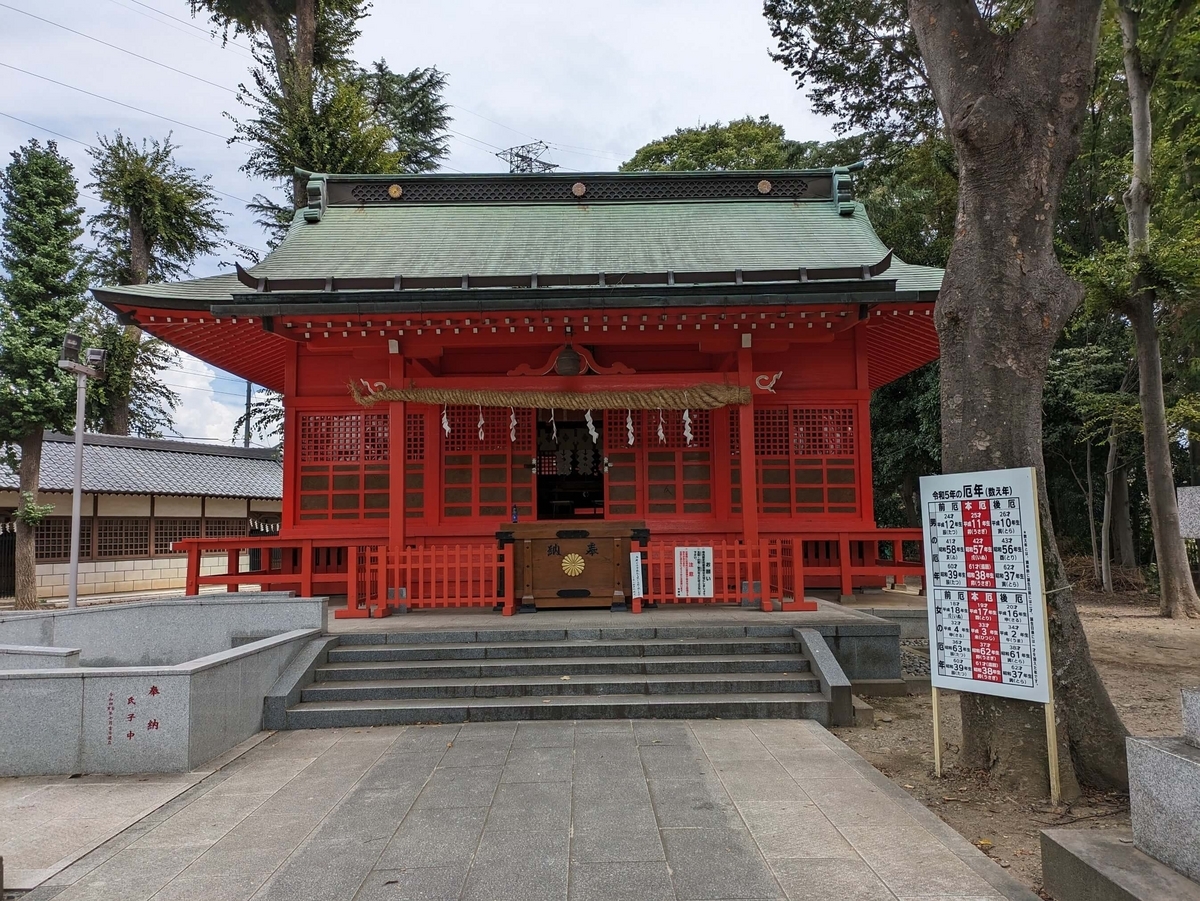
[527, 158]
[246, 438]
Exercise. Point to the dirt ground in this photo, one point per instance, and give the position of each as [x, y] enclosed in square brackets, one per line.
[1144, 661]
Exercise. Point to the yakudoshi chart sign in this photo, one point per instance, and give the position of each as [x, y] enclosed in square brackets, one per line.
[985, 584]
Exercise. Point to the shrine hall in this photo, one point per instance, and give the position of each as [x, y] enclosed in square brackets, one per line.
[528, 391]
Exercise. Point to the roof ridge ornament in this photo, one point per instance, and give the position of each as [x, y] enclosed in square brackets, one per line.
[843, 187]
[318, 199]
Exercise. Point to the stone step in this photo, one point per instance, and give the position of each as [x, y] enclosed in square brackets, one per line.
[633, 632]
[560, 666]
[802, 705]
[653, 647]
[598, 684]
[1164, 797]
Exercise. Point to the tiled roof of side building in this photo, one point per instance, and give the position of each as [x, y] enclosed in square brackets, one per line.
[118, 465]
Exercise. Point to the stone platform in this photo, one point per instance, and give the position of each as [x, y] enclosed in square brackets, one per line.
[562, 811]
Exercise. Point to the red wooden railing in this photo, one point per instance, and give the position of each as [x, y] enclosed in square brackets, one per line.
[378, 579]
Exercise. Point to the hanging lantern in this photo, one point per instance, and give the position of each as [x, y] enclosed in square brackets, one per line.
[568, 361]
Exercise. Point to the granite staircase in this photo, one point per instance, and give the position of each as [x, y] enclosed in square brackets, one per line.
[377, 679]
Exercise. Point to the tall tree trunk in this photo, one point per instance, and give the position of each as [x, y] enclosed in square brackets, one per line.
[1177, 594]
[908, 498]
[1106, 530]
[1091, 514]
[1123, 519]
[139, 274]
[1014, 106]
[26, 562]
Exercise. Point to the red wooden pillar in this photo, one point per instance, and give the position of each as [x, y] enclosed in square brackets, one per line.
[862, 428]
[232, 565]
[756, 553]
[291, 443]
[193, 570]
[397, 511]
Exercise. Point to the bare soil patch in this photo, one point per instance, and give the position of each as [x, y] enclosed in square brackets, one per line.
[1144, 660]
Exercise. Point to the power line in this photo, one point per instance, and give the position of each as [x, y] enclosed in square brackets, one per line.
[192, 25]
[527, 158]
[72, 87]
[207, 40]
[121, 49]
[59, 134]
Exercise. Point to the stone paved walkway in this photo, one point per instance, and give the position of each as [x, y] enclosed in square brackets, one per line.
[753, 809]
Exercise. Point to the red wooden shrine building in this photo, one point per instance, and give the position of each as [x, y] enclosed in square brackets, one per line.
[688, 354]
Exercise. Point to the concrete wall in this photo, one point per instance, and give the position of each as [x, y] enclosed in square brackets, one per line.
[119, 576]
[32, 657]
[162, 633]
[138, 719]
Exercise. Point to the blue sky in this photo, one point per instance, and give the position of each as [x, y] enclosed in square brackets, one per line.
[595, 80]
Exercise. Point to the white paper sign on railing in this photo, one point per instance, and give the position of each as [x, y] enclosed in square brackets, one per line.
[637, 589]
[693, 572]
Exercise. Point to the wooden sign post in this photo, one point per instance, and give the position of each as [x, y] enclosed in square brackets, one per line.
[985, 584]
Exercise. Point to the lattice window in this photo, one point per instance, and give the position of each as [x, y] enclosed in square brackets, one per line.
[676, 477]
[807, 461]
[52, 538]
[344, 465]
[329, 438]
[823, 433]
[123, 536]
[484, 478]
[226, 527]
[414, 437]
[497, 427]
[168, 530]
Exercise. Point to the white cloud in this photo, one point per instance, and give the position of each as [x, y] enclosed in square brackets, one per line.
[203, 413]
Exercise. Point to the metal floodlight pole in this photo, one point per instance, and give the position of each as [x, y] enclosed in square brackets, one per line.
[93, 369]
[77, 488]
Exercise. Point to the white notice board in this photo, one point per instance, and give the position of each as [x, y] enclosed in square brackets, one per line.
[693, 572]
[985, 584]
[636, 588]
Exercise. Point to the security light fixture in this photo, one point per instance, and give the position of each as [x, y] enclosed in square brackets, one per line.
[96, 357]
[71, 346]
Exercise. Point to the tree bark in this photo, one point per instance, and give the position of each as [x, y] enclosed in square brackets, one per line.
[1106, 530]
[1091, 513]
[139, 274]
[1014, 106]
[908, 498]
[26, 557]
[1177, 594]
[1123, 519]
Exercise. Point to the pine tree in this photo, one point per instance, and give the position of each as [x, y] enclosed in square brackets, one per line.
[45, 278]
[158, 217]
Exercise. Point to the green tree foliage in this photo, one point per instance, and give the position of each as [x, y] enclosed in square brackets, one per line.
[43, 286]
[746, 143]
[265, 417]
[158, 217]
[410, 106]
[311, 108]
[44, 278]
[859, 62]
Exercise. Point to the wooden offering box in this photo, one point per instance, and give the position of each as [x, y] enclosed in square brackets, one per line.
[573, 564]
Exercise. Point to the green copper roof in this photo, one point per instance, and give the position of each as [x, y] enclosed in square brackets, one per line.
[499, 238]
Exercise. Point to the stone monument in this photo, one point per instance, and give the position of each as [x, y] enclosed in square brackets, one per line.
[1163, 858]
